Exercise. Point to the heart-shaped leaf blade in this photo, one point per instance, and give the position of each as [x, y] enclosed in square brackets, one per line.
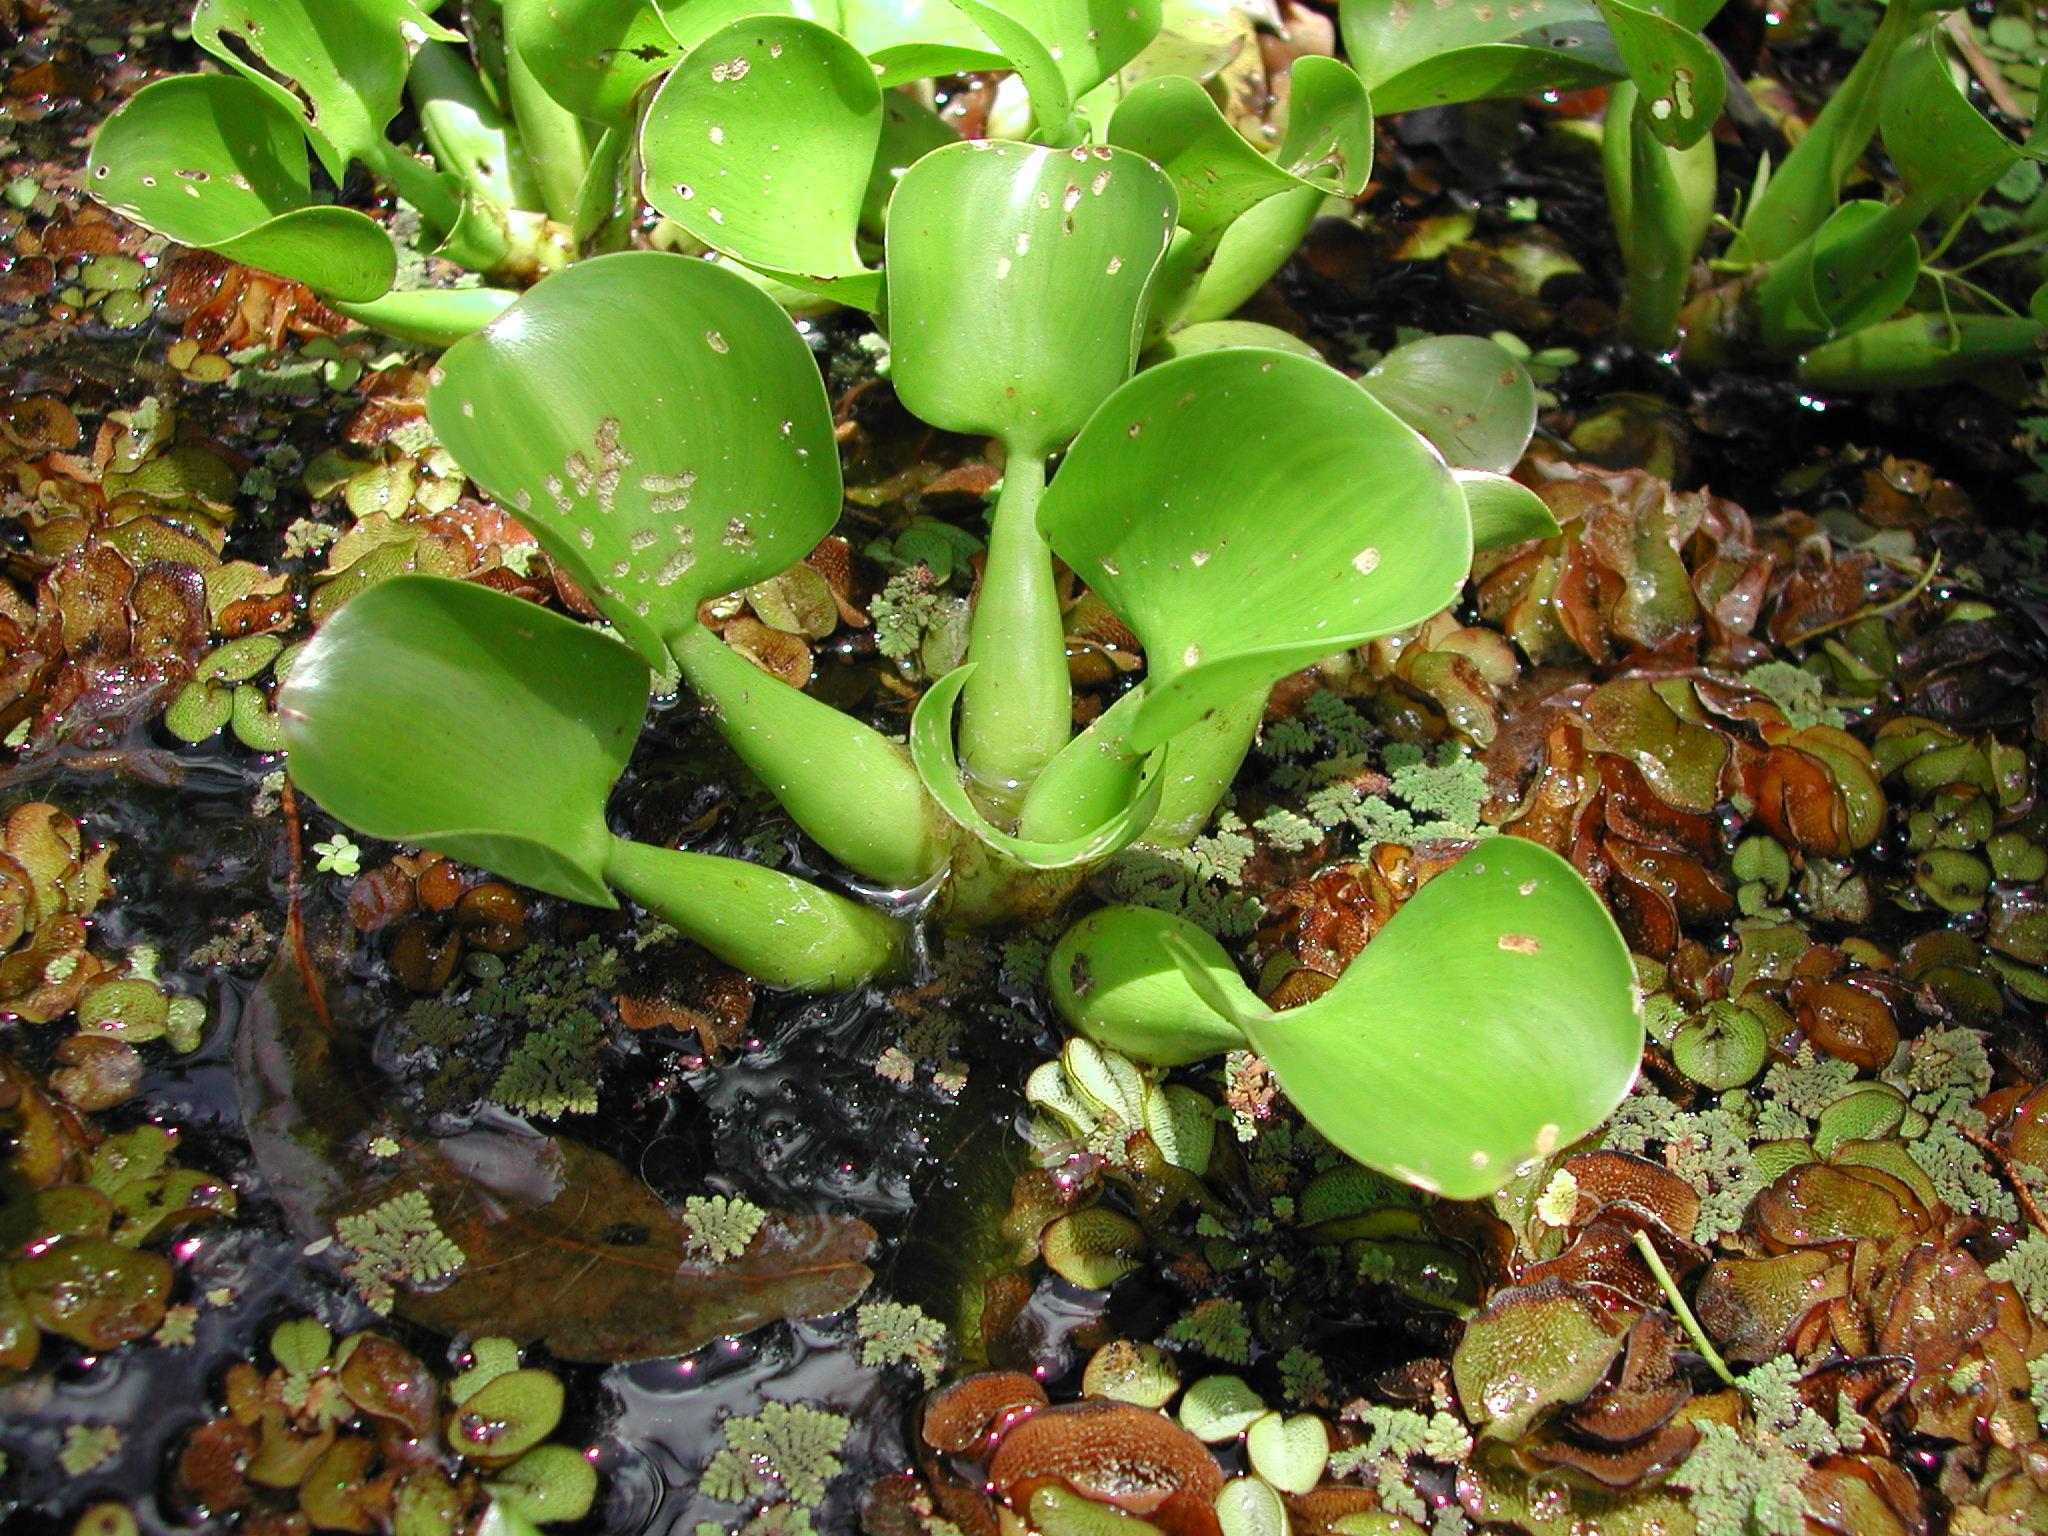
[761, 143]
[1467, 395]
[1492, 1021]
[450, 716]
[1247, 513]
[658, 425]
[212, 161]
[1018, 282]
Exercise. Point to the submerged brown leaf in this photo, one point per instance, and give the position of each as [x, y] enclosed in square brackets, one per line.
[561, 1243]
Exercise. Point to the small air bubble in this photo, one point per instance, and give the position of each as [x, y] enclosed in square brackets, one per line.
[717, 135]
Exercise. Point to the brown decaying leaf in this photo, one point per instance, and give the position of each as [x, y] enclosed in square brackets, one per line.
[562, 1244]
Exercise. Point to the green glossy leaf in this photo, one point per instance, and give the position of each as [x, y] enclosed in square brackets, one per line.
[691, 21]
[1859, 269]
[457, 718]
[1432, 54]
[1492, 1021]
[1944, 148]
[761, 144]
[349, 59]
[931, 749]
[1109, 978]
[1064, 48]
[917, 39]
[1469, 396]
[1679, 77]
[212, 161]
[1216, 335]
[1018, 280]
[1218, 175]
[1503, 511]
[659, 427]
[1247, 513]
[594, 56]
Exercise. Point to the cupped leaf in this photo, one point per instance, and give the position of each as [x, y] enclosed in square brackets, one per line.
[347, 58]
[1018, 281]
[1064, 48]
[1249, 512]
[1469, 396]
[761, 144]
[1110, 978]
[1503, 511]
[453, 717]
[1859, 268]
[658, 425]
[931, 749]
[212, 161]
[1217, 173]
[1492, 1021]
[1678, 76]
[433, 317]
[1944, 148]
[1470, 50]
[595, 56]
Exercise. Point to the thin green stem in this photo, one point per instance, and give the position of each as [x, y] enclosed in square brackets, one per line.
[1019, 705]
[2011, 248]
[1684, 1313]
[421, 185]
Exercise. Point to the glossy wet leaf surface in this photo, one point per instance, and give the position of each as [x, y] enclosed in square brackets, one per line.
[434, 712]
[761, 144]
[668, 413]
[1169, 501]
[1017, 284]
[214, 161]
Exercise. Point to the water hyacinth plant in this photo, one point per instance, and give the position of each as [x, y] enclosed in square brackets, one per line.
[660, 427]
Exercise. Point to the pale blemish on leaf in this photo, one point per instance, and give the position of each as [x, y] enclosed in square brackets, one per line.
[1521, 943]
